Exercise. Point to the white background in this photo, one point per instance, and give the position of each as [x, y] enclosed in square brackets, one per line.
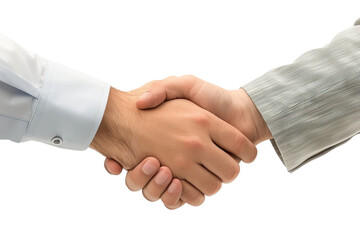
[48, 193]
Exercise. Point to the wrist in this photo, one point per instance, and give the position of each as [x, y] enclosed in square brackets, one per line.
[256, 127]
[113, 135]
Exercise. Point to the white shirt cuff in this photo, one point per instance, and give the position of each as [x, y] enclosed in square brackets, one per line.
[69, 110]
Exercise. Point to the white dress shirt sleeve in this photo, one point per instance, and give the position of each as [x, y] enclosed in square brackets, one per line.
[44, 101]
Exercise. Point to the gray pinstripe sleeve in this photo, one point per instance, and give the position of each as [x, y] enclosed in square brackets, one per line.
[313, 104]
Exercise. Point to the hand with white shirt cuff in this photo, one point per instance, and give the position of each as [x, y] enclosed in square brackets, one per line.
[200, 149]
[47, 102]
[240, 112]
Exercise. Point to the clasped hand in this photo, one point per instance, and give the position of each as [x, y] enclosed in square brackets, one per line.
[198, 143]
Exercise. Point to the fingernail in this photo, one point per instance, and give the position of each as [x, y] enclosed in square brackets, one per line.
[149, 168]
[144, 95]
[161, 178]
[172, 187]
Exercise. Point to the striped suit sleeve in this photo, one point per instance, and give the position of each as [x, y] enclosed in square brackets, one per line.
[313, 104]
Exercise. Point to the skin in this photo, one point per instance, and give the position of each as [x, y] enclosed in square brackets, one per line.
[138, 179]
[199, 148]
[240, 112]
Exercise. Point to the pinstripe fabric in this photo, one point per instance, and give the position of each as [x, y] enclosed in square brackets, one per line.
[313, 104]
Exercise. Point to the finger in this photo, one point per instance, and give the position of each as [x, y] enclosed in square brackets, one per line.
[171, 197]
[137, 178]
[232, 140]
[191, 195]
[202, 179]
[158, 184]
[167, 89]
[179, 204]
[112, 166]
[221, 164]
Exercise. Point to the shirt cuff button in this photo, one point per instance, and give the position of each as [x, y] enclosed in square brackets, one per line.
[57, 140]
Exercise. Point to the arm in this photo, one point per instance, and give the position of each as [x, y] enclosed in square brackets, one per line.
[50, 103]
[306, 108]
[33, 89]
[47, 102]
[313, 104]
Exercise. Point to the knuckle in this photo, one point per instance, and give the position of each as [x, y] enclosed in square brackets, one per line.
[232, 173]
[201, 119]
[171, 78]
[213, 187]
[194, 143]
[239, 142]
[188, 77]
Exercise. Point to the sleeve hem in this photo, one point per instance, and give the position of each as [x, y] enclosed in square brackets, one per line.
[310, 106]
[99, 116]
[70, 107]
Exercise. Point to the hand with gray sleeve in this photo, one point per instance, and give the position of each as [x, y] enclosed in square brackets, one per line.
[313, 104]
[305, 108]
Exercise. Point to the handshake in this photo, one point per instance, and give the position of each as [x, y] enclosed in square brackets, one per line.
[181, 138]
[197, 132]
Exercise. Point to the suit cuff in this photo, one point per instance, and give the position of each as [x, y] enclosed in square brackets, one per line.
[312, 105]
[69, 110]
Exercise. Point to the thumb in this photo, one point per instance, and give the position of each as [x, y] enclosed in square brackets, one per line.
[167, 89]
[152, 98]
